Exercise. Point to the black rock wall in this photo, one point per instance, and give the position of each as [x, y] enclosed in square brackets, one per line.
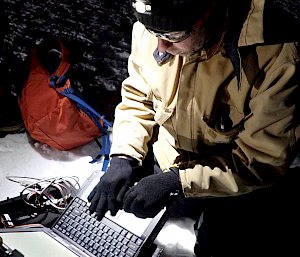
[98, 33]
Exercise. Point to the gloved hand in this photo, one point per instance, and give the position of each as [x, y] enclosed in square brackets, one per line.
[109, 192]
[151, 194]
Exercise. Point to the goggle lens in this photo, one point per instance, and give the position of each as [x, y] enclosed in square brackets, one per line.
[173, 36]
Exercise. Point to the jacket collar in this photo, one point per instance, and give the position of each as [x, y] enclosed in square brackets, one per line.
[252, 28]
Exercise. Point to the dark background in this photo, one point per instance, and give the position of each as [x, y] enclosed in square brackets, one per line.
[98, 33]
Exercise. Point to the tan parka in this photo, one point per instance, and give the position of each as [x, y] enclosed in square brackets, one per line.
[229, 137]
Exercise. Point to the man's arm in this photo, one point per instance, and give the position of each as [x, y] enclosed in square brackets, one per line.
[134, 116]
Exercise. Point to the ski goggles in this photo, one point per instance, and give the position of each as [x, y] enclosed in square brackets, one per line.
[173, 36]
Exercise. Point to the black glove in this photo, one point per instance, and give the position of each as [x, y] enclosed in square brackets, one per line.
[151, 194]
[109, 192]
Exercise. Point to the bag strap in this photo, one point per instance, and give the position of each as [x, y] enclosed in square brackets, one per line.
[64, 65]
[59, 78]
[95, 116]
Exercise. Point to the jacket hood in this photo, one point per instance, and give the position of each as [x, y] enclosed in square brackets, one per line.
[264, 22]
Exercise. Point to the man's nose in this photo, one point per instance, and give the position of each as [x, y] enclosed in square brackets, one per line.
[163, 45]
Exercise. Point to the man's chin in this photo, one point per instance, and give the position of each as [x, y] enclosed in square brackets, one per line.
[183, 54]
[186, 54]
[189, 53]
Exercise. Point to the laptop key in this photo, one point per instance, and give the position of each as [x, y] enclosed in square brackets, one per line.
[105, 252]
[133, 238]
[119, 245]
[132, 246]
[116, 252]
[106, 245]
[128, 235]
[139, 241]
[100, 249]
[130, 253]
[125, 241]
[120, 238]
[109, 239]
[76, 211]
[124, 248]
[111, 248]
[102, 242]
[96, 246]
[114, 242]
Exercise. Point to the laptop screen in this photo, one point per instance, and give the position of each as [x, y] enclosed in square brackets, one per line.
[35, 244]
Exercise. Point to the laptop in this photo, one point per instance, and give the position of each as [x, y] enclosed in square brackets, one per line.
[78, 233]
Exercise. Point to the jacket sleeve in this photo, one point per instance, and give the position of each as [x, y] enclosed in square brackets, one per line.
[134, 116]
[266, 146]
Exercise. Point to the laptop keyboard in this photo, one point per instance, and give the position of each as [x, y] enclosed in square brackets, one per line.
[101, 238]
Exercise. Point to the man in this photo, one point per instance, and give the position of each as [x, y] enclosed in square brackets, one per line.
[222, 88]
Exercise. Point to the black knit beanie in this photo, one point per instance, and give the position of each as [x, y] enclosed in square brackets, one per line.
[170, 15]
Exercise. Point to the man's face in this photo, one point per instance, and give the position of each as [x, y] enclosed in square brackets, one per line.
[193, 43]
